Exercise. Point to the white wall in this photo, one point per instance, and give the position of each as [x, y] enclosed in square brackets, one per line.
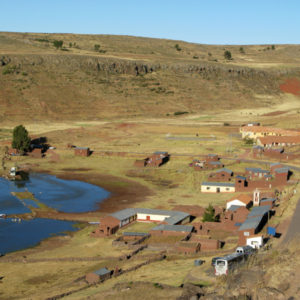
[235, 202]
[255, 242]
[213, 189]
[153, 217]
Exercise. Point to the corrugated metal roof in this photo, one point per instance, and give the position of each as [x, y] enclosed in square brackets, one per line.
[218, 184]
[241, 177]
[275, 164]
[82, 148]
[124, 214]
[259, 211]
[224, 170]
[135, 233]
[102, 271]
[183, 228]
[251, 223]
[214, 162]
[282, 170]
[257, 170]
[267, 200]
[234, 207]
[212, 155]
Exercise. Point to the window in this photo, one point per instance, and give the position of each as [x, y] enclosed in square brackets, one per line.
[208, 188]
[246, 233]
[227, 189]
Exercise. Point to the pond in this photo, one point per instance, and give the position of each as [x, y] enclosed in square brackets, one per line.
[70, 196]
[28, 233]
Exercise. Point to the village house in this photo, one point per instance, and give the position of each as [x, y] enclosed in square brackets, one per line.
[187, 247]
[99, 275]
[212, 157]
[223, 174]
[278, 141]
[82, 151]
[253, 173]
[157, 159]
[236, 214]
[240, 200]
[217, 187]
[110, 224]
[254, 132]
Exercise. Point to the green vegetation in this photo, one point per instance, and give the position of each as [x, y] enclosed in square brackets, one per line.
[209, 214]
[177, 47]
[178, 113]
[273, 47]
[21, 140]
[41, 40]
[96, 47]
[58, 44]
[9, 70]
[227, 55]
[242, 50]
[248, 141]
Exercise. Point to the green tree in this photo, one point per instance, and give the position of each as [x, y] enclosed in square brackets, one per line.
[209, 214]
[227, 55]
[242, 50]
[97, 47]
[58, 44]
[21, 140]
[273, 47]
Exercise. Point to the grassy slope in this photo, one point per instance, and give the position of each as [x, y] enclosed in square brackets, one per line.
[67, 85]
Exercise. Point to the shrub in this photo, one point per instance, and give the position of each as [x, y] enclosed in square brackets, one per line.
[273, 47]
[177, 113]
[195, 57]
[227, 55]
[96, 47]
[242, 50]
[58, 44]
[9, 70]
[248, 141]
[177, 47]
[209, 54]
[42, 40]
[226, 124]
[209, 214]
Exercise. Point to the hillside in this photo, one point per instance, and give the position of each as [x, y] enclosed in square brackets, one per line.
[134, 77]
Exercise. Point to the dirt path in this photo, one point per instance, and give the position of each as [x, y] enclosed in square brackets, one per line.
[294, 227]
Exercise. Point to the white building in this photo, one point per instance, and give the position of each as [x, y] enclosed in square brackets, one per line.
[217, 187]
[255, 241]
[240, 200]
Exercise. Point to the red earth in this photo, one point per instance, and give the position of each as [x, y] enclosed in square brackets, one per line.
[291, 86]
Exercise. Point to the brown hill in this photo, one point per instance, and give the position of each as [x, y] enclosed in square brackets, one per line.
[130, 76]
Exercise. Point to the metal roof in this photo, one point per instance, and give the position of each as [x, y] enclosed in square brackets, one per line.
[268, 199]
[251, 223]
[124, 214]
[234, 207]
[282, 170]
[160, 152]
[180, 228]
[274, 164]
[172, 216]
[135, 233]
[241, 177]
[218, 184]
[82, 148]
[257, 170]
[214, 162]
[102, 271]
[212, 155]
[259, 211]
[224, 170]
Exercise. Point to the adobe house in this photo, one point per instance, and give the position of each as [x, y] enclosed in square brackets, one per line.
[268, 202]
[256, 172]
[257, 150]
[281, 175]
[275, 166]
[172, 230]
[240, 183]
[82, 151]
[217, 187]
[223, 174]
[214, 165]
[99, 275]
[239, 213]
[108, 226]
[157, 159]
[240, 200]
[282, 141]
[36, 153]
[212, 157]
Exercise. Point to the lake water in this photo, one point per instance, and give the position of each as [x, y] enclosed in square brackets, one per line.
[63, 195]
[16, 236]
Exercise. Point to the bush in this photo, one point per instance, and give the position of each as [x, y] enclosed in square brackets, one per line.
[177, 47]
[242, 50]
[195, 57]
[227, 55]
[248, 141]
[58, 44]
[96, 47]
[209, 214]
[21, 140]
[9, 70]
[42, 40]
[273, 47]
[177, 113]
[226, 124]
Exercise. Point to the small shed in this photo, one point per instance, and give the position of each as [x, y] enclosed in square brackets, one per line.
[99, 275]
[82, 151]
